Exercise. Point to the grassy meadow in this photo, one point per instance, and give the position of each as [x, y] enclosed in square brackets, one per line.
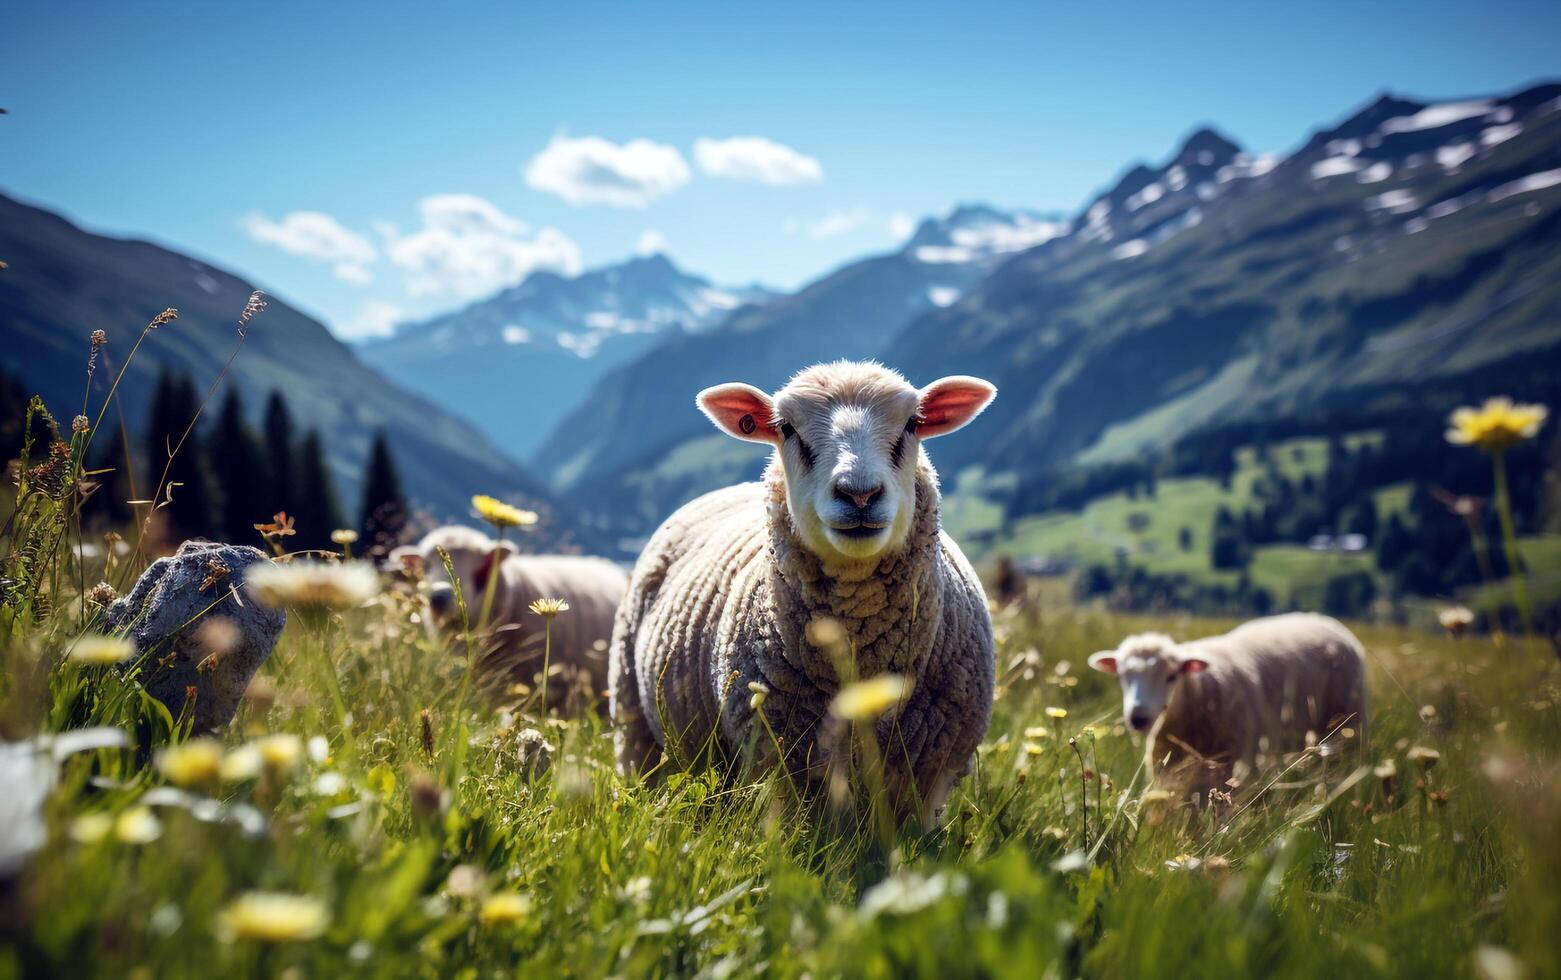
[1146, 532]
[419, 833]
[372, 811]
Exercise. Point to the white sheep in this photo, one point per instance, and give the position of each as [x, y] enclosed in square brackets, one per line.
[1226, 705]
[843, 527]
[593, 588]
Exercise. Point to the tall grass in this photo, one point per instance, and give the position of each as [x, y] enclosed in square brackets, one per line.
[717, 876]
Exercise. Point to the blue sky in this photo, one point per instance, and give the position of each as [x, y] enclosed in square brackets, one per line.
[399, 137]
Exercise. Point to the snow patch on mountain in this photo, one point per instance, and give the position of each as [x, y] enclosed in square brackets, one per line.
[1335, 167]
[1455, 155]
[1524, 185]
[1435, 117]
[1247, 166]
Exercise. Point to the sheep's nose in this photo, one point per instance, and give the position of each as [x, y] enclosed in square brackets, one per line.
[440, 600]
[1140, 720]
[861, 497]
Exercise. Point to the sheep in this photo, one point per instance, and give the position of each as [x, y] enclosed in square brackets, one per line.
[1268, 687]
[843, 528]
[593, 588]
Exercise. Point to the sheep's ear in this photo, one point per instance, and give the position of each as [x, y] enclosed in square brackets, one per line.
[740, 410]
[948, 403]
[1194, 665]
[398, 556]
[405, 560]
[1105, 661]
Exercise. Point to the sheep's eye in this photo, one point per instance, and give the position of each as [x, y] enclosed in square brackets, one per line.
[789, 432]
[910, 425]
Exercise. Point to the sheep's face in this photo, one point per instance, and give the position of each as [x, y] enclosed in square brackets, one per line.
[1148, 666]
[848, 437]
[473, 556]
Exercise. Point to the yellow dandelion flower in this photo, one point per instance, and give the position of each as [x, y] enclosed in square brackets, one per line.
[1037, 731]
[95, 649]
[758, 692]
[90, 828]
[1030, 748]
[273, 917]
[1058, 713]
[548, 608]
[195, 762]
[242, 763]
[280, 753]
[313, 584]
[826, 633]
[504, 909]
[1497, 425]
[1455, 619]
[866, 700]
[500, 514]
[138, 825]
[344, 535]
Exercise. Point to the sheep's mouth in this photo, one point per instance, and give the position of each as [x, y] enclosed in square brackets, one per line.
[857, 530]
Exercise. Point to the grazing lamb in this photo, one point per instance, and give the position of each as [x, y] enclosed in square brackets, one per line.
[844, 528]
[592, 586]
[1232, 702]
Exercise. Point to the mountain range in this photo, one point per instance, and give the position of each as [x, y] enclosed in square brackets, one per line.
[1410, 251]
[521, 360]
[637, 443]
[1405, 256]
[62, 282]
[1410, 248]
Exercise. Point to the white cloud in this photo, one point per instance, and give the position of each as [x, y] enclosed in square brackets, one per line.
[357, 275]
[830, 225]
[756, 158]
[591, 170]
[375, 318]
[317, 236]
[468, 247]
[651, 243]
[901, 226]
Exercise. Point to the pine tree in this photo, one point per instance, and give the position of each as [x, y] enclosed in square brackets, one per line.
[173, 405]
[1227, 549]
[109, 505]
[317, 510]
[238, 464]
[279, 455]
[193, 511]
[383, 515]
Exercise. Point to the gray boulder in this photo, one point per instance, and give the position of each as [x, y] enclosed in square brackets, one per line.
[198, 628]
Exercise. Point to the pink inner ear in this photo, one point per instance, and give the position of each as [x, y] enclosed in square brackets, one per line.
[948, 404]
[1104, 664]
[1194, 666]
[740, 410]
